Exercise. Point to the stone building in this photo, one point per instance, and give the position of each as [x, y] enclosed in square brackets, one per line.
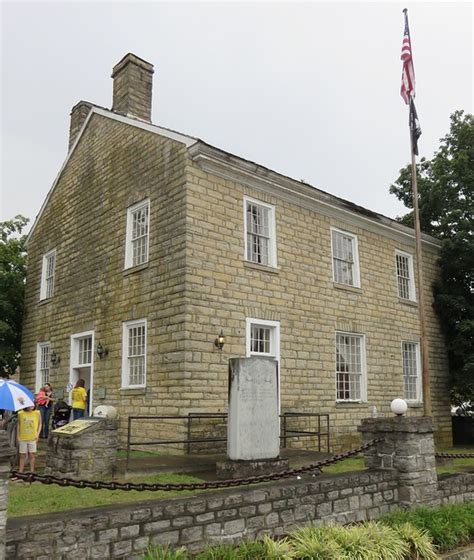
[151, 243]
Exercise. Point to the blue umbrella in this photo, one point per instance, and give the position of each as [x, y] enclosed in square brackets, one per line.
[14, 396]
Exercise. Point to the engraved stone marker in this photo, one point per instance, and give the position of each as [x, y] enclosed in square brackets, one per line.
[253, 427]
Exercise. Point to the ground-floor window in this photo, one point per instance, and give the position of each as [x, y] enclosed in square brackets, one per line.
[43, 362]
[263, 338]
[134, 354]
[411, 371]
[351, 377]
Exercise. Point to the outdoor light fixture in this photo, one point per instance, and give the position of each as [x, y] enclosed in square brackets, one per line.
[54, 358]
[398, 407]
[220, 341]
[101, 351]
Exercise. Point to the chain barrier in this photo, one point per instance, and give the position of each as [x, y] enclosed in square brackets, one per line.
[127, 486]
[454, 455]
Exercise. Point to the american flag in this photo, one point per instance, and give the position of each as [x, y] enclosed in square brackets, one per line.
[408, 72]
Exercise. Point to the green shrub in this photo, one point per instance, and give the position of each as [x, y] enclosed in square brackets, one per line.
[165, 552]
[219, 552]
[314, 543]
[448, 526]
[418, 542]
[382, 541]
[277, 550]
[352, 541]
[251, 550]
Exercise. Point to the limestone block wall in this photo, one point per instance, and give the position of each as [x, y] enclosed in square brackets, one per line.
[114, 166]
[223, 289]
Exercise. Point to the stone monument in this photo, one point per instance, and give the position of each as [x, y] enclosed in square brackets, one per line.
[253, 425]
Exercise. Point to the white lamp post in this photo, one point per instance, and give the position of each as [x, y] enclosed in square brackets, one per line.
[398, 407]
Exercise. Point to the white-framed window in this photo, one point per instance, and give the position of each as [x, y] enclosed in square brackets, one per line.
[405, 276]
[262, 338]
[260, 232]
[345, 258]
[134, 353]
[43, 364]
[351, 372]
[84, 351]
[137, 237]
[411, 371]
[47, 274]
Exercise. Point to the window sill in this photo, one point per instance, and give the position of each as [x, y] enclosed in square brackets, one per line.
[132, 269]
[262, 267]
[409, 302]
[45, 301]
[414, 404]
[351, 404]
[133, 390]
[353, 289]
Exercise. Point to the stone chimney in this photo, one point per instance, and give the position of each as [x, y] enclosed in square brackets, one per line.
[78, 115]
[133, 79]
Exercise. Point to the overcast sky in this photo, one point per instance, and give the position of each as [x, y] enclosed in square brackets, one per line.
[309, 89]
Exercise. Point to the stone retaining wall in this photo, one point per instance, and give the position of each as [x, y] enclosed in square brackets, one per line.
[227, 516]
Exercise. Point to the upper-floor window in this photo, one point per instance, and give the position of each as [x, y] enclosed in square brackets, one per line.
[263, 338]
[405, 276]
[43, 361]
[411, 371]
[345, 258]
[351, 375]
[260, 235]
[47, 274]
[137, 238]
[134, 353]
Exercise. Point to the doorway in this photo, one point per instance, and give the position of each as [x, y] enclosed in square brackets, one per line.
[82, 365]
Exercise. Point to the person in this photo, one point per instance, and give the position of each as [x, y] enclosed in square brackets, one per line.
[44, 399]
[79, 399]
[29, 428]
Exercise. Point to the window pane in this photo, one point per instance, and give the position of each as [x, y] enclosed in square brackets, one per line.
[139, 235]
[85, 351]
[45, 354]
[258, 233]
[136, 354]
[348, 367]
[410, 370]
[403, 275]
[343, 258]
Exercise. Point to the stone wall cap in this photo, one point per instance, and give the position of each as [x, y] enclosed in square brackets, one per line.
[134, 59]
[423, 424]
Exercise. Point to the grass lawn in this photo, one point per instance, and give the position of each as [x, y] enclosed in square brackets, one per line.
[456, 465]
[31, 499]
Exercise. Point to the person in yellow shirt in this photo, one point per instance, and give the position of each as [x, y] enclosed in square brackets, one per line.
[79, 399]
[29, 428]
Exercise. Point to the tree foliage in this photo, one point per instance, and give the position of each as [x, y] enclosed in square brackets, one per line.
[446, 203]
[12, 287]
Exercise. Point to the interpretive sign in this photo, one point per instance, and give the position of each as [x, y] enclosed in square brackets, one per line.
[76, 426]
[253, 429]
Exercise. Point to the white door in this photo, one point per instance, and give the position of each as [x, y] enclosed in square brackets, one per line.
[82, 364]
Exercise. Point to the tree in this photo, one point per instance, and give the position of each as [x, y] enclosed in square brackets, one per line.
[446, 203]
[12, 287]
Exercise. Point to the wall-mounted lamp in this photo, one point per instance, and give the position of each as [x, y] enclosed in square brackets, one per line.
[101, 351]
[220, 341]
[54, 359]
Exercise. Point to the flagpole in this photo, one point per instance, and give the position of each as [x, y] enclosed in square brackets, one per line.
[425, 376]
